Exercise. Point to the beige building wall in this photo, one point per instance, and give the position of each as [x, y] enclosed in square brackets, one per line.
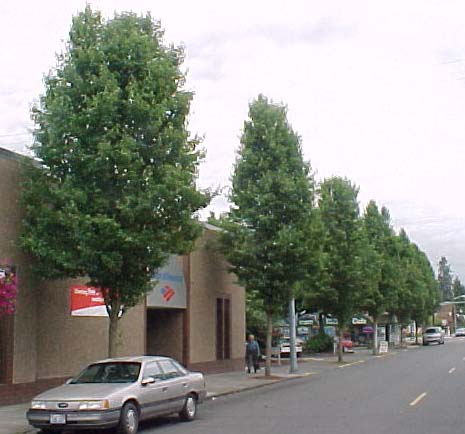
[23, 342]
[67, 343]
[47, 341]
[43, 341]
[209, 280]
[25, 354]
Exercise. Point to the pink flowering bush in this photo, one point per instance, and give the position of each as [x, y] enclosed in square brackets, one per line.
[8, 290]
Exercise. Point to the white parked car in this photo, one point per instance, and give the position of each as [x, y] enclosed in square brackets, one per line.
[283, 344]
[118, 393]
[433, 334]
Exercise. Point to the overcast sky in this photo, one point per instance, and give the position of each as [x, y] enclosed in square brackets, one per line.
[375, 89]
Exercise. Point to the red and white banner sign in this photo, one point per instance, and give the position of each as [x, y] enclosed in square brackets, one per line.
[87, 301]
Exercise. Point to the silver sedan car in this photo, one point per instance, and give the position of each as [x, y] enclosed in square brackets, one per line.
[433, 334]
[118, 393]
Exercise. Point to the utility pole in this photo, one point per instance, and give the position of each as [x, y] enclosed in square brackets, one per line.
[293, 368]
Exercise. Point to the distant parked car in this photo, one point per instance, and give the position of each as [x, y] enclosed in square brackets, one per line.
[460, 332]
[284, 346]
[347, 346]
[433, 334]
[118, 393]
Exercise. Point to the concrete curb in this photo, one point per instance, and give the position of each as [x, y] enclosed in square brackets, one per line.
[266, 382]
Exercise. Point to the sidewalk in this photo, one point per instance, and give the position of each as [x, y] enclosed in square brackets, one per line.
[13, 419]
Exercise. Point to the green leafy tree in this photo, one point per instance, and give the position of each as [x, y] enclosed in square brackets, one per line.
[380, 235]
[457, 288]
[255, 317]
[406, 299]
[270, 237]
[115, 192]
[459, 291]
[445, 279]
[418, 294]
[343, 286]
[429, 289]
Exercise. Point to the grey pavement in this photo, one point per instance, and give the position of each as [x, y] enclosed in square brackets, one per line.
[13, 419]
[416, 391]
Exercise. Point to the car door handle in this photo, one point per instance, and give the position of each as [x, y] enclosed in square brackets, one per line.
[164, 389]
[184, 384]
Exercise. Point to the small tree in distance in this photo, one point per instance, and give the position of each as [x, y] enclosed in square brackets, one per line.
[115, 193]
[457, 287]
[445, 280]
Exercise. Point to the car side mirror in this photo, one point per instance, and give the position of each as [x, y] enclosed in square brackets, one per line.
[69, 380]
[147, 380]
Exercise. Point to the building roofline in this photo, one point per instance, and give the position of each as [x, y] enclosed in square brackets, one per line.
[6, 154]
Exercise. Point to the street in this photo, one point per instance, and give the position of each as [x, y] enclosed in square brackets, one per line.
[419, 390]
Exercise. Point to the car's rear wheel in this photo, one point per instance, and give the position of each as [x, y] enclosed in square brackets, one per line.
[129, 419]
[189, 411]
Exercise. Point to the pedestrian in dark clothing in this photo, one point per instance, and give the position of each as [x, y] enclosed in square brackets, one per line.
[252, 354]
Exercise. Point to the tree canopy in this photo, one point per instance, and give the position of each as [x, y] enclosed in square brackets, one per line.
[270, 233]
[445, 279]
[115, 193]
[457, 287]
[345, 250]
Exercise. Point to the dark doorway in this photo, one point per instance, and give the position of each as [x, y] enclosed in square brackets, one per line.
[223, 328]
[165, 335]
[6, 349]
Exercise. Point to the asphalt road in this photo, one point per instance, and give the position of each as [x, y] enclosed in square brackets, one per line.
[421, 390]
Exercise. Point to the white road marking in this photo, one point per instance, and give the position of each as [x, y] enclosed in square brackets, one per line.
[351, 364]
[418, 399]
[451, 370]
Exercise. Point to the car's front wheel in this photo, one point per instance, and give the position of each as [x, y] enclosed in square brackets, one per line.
[189, 411]
[129, 419]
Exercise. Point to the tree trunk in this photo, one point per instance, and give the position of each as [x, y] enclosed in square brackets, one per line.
[416, 333]
[321, 322]
[339, 344]
[269, 332]
[375, 336]
[113, 328]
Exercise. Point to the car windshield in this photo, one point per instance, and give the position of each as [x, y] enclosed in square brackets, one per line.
[112, 372]
[432, 330]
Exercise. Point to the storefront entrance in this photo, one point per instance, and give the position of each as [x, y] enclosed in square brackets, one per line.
[165, 333]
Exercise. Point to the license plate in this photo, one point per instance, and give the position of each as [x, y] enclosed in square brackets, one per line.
[58, 419]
